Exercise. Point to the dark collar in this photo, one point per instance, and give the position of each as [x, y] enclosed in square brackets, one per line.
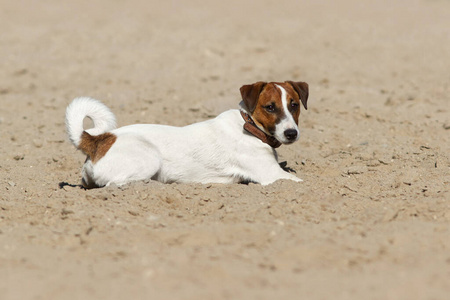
[251, 128]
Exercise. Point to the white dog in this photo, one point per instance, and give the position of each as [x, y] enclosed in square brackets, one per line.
[236, 146]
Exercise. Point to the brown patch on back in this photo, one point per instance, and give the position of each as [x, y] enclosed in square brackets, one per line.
[96, 146]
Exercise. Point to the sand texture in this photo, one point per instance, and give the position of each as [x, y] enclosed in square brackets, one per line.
[370, 221]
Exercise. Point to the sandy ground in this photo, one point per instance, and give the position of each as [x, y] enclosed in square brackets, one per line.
[370, 221]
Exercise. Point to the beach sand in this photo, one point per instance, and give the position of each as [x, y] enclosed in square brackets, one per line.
[370, 221]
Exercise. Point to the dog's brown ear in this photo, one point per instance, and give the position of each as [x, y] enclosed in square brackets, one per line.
[302, 89]
[250, 94]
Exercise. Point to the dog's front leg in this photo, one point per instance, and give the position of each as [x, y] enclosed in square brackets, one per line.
[269, 174]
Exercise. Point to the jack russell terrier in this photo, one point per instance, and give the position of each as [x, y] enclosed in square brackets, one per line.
[237, 146]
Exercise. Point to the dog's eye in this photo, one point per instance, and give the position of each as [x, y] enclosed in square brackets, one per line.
[294, 105]
[270, 108]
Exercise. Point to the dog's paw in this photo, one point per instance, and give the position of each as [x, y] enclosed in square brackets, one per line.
[296, 179]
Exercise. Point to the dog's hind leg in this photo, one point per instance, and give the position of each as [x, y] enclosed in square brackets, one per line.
[87, 179]
[129, 159]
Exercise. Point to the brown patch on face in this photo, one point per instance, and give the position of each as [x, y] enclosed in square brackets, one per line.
[269, 109]
[250, 94]
[96, 146]
[302, 90]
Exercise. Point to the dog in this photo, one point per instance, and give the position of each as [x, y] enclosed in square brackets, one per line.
[238, 146]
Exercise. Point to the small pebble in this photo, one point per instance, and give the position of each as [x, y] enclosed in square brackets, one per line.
[356, 170]
[133, 213]
[373, 163]
[19, 156]
[385, 161]
[66, 211]
[37, 143]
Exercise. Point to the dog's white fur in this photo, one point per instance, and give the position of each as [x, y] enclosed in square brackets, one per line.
[287, 122]
[213, 151]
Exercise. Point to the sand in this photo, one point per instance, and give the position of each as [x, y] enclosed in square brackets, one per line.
[370, 221]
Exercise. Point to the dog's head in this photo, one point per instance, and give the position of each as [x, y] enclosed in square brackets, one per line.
[275, 107]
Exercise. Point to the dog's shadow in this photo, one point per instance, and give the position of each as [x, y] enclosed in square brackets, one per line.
[284, 166]
[63, 184]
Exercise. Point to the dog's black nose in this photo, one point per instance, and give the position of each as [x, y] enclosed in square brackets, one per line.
[291, 134]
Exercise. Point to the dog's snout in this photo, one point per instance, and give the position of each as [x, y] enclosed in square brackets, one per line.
[290, 134]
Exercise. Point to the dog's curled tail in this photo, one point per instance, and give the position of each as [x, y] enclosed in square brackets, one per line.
[80, 108]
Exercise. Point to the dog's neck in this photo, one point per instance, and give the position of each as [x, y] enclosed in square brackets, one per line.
[251, 128]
